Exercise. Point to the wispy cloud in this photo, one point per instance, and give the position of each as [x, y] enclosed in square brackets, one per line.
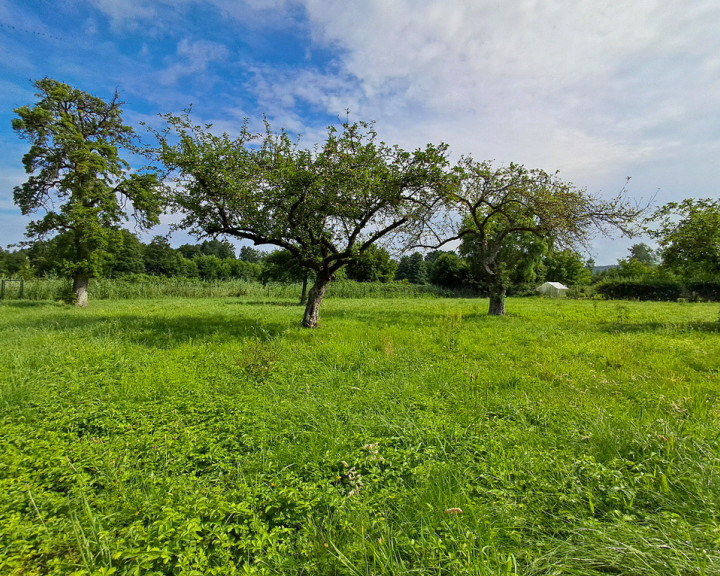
[574, 84]
[193, 58]
[131, 14]
[128, 12]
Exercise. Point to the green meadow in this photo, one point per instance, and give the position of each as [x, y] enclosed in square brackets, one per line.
[403, 436]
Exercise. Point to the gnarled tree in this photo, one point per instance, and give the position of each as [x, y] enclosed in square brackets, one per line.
[79, 179]
[325, 206]
[498, 206]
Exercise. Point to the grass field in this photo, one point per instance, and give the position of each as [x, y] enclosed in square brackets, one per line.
[215, 436]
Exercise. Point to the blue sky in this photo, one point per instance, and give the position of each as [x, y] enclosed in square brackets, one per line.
[599, 90]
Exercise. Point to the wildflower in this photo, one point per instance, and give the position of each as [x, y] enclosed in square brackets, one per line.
[373, 450]
[354, 479]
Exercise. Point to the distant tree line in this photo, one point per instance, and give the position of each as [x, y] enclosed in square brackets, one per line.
[217, 260]
[687, 259]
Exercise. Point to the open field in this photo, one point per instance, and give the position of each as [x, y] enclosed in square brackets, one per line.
[215, 436]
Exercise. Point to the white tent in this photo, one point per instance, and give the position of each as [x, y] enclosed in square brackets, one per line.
[554, 289]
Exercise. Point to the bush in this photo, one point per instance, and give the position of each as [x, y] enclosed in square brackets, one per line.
[707, 289]
[640, 289]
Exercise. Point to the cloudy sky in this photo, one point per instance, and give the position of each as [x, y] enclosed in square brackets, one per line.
[597, 89]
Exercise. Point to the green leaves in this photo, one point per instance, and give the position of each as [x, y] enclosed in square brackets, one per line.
[77, 176]
[511, 215]
[689, 236]
[324, 206]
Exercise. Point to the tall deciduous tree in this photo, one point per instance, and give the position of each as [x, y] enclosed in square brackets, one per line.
[643, 254]
[326, 206]
[413, 269]
[374, 265]
[567, 266]
[497, 205]
[78, 179]
[688, 233]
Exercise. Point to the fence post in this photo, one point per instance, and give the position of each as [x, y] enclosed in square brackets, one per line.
[22, 287]
[2, 292]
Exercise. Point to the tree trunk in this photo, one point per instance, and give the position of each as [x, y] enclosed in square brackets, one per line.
[303, 294]
[80, 288]
[497, 301]
[317, 292]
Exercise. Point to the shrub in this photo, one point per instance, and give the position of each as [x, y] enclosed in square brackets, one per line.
[640, 289]
[706, 289]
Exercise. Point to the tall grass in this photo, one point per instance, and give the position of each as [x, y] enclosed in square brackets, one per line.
[149, 288]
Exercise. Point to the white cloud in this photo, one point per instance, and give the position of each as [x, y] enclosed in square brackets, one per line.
[576, 84]
[598, 90]
[122, 12]
[162, 14]
[193, 59]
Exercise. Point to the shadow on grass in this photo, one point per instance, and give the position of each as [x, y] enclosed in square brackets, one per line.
[282, 303]
[159, 332]
[649, 327]
[411, 317]
[31, 304]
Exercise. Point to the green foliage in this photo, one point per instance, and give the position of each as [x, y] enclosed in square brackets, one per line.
[373, 265]
[161, 259]
[450, 271]
[689, 236]
[412, 269]
[4, 256]
[212, 268]
[649, 288]
[640, 264]
[216, 437]
[282, 266]
[129, 257]
[519, 261]
[16, 264]
[632, 268]
[77, 177]
[245, 270]
[567, 267]
[251, 255]
[705, 289]
[643, 254]
[141, 286]
[510, 216]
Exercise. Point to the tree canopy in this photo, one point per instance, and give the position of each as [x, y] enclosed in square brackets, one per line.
[497, 207]
[688, 233]
[373, 265]
[568, 267]
[78, 179]
[325, 206]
